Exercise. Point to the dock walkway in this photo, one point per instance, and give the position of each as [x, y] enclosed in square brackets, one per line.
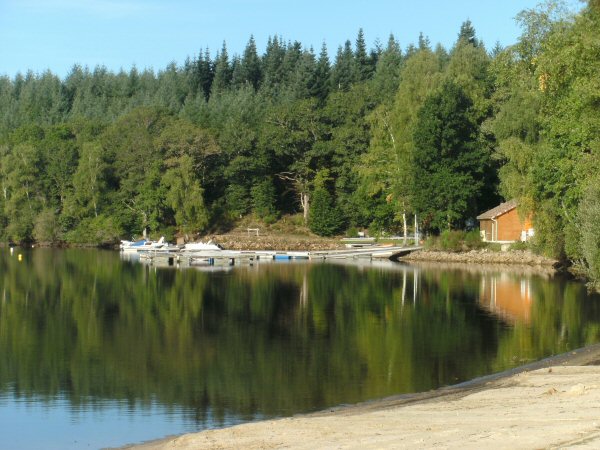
[232, 257]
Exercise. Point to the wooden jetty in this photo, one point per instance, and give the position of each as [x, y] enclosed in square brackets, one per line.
[239, 257]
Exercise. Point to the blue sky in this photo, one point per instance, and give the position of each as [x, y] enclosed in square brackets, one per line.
[55, 34]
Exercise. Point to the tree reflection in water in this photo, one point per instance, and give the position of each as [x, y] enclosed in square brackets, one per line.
[271, 339]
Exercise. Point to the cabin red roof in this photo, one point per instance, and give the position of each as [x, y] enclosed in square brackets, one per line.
[503, 208]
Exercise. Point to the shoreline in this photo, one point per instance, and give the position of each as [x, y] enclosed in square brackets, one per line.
[247, 242]
[484, 256]
[390, 419]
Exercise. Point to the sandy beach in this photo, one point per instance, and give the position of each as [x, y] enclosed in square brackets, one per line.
[554, 403]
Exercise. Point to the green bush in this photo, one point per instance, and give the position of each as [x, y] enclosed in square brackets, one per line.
[473, 240]
[431, 243]
[455, 241]
[520, 246]
[20, 228]
[494, 247]
[352, 232]
[95, 230]
[168, 232]
[46, 227]
[324, 218]
[589, 218]
[451, 240]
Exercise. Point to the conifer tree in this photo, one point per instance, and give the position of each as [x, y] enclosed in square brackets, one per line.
[272, 65]
[206, 69]
[344, 71]
[250, 66]
[237, 74]
[300, 78]
[325, 219]
[362, 63]
[387, 72]
[320, 83]
[468, 66]
[200, 74]
[466, 36]
[424, 43]
[223, 72]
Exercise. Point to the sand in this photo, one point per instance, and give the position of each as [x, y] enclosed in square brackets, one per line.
[553, 403]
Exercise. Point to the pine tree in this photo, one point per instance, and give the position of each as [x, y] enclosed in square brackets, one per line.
[362, 63]
[320, 83]
[375, 54]
[469, 67]
[223, 72]
[344, 71]
[299, 79]
[200, 74]
[237, 74]
[207, 73]
[387, 73]
[424, 43]
[272, 64]
[250, 67]
[466, 36]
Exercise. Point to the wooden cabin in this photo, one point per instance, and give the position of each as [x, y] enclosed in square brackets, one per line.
[503, 224]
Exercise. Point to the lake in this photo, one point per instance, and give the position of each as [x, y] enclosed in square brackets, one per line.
[96, 351]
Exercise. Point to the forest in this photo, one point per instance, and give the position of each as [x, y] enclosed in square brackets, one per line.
[365, 138]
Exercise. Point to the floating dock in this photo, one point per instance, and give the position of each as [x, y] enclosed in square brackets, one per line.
[239, 257]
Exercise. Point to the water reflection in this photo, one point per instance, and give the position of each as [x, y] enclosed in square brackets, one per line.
[507, 296]
[269, 339]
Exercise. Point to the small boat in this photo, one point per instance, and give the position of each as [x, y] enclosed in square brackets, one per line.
[142, 245]
[132, 246]
[202, 246]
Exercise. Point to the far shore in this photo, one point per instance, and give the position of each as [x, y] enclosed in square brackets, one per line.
[483, 256]
[547, 404]
[249, 241]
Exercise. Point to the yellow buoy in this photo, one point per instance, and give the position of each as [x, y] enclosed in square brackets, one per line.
[20, 257]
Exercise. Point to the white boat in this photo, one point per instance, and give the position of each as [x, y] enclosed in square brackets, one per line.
[202, 246]
[132, 246]
[142, 245]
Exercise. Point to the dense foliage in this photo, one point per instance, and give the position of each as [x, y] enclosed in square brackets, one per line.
[440, 133]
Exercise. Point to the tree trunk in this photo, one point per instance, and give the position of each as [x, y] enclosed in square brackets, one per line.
[416, 231]
[304, 201]
[404, 228]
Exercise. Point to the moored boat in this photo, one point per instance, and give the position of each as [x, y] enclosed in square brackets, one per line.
[142, 245]
[201, 246]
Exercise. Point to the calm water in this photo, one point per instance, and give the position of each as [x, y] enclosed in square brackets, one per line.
[97, 352]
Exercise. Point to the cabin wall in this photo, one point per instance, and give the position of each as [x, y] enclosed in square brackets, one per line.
[509, 226]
